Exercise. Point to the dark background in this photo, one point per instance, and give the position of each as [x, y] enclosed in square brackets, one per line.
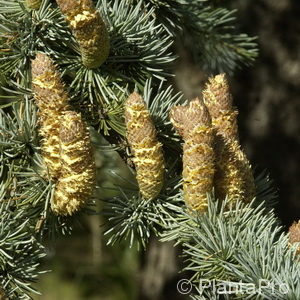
[269, 97]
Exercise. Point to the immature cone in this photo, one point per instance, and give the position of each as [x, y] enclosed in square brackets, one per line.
[52, 100]
[218, 100]
[89, 30]
[193, 123]
[147, 151]
[294, 234]
[234, 175]
[33, 4]
[75, 185]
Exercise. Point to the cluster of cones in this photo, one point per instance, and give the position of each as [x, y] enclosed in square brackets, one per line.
[66, 145]
[212, 155]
